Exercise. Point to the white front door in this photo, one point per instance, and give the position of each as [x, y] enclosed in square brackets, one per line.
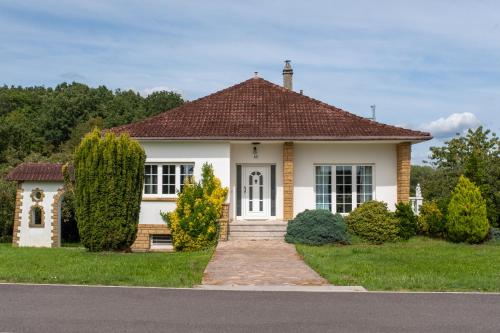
[255, 192]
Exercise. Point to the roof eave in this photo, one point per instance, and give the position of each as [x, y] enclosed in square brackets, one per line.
[296, 138]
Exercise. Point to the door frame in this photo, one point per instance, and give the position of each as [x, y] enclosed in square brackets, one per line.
[245, 171]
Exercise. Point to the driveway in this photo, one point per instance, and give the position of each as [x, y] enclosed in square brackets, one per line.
[259, 262]
[69, 309]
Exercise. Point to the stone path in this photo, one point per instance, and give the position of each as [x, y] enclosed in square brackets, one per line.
[259, 262]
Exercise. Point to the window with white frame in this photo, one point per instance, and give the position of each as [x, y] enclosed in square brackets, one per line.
[150, 179]
[341, 188]
[364, 183]
[324, 187]
[171, 180]
[186, 170]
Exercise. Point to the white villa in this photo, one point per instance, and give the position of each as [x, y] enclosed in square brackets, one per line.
[279, 152]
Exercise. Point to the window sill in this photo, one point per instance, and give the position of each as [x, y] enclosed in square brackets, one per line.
[37, 225]
[160, 199]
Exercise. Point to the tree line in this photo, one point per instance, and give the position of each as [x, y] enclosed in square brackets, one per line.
[45, 124]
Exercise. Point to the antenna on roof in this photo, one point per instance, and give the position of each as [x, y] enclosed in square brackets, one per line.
[373, 107]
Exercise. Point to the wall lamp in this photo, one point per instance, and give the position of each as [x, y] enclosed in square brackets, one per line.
[255, 152]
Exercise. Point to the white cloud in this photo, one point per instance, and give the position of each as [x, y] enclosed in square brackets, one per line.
[449, 126]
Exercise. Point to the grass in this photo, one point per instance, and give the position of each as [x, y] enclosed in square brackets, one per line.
[418, 264]
[74, 265]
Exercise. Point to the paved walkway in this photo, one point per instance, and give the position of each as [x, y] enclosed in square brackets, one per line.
[260, 262]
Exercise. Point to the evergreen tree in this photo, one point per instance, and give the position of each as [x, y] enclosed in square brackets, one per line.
[467, 220]
[109, 175]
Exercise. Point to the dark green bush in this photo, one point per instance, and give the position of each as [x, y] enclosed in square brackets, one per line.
[317, 227]
[407, 220]
[430, 220]
[494, 234]
[467, 220]
[373, 222]
[109, 175]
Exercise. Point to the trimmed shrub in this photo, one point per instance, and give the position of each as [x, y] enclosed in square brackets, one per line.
[407, 220]
[373, 222]
[194, 222]
[430, 220]
[467, 220]
[109, 175]
[317, 227]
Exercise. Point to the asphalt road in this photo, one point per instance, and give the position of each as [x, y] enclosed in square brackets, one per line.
[26, 308]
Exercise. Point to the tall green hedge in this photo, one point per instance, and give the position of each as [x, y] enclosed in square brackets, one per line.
[467, 220]
[109, 175]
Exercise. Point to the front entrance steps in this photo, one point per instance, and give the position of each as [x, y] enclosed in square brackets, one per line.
[257, 229]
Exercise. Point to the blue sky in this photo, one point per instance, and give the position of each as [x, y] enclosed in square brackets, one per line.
[430, 65]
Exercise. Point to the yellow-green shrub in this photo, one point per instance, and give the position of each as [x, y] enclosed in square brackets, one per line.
[194, 222]
[467, 220]
[430, 220]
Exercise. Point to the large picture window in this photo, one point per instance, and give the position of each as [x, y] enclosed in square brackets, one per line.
[171, 180]
[341, 188]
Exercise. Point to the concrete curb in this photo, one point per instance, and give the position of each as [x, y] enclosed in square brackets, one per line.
[322, 289]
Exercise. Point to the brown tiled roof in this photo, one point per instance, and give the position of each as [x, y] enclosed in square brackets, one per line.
[37, 171]
[257, 109]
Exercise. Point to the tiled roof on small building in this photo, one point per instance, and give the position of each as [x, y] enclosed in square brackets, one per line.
[36, 172]
[257, 109]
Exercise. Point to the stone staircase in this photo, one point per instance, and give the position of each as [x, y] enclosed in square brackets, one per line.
[257, 229]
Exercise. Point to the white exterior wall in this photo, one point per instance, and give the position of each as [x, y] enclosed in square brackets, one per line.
[268, 153]
[216, 153]
[307, 155]
[39, 237]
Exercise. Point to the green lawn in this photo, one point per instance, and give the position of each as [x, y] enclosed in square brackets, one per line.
[74, 265]
[418, 264]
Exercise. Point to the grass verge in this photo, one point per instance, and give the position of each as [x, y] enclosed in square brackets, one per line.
[73, 265]
[419, 264]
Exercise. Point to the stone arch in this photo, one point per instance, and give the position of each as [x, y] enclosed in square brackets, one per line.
[56, 218]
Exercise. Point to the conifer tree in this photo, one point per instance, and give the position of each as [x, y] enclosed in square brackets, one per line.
[109, 175]
[467, 220]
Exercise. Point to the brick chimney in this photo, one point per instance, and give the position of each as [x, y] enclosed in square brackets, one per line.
[287, 75]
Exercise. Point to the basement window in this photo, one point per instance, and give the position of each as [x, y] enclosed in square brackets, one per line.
[161, 242]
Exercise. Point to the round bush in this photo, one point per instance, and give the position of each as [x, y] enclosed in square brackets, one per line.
[467, 220]
[373, 222]
[407, 220]
[317, 227]
[430, 220]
